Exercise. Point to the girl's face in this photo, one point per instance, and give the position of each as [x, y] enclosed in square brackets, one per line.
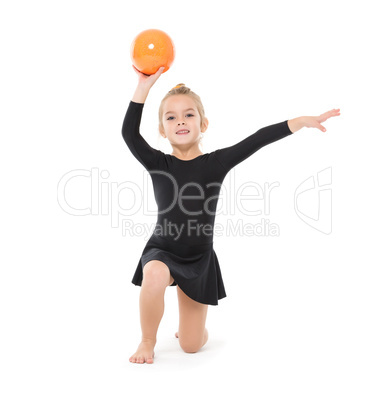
[181, 120]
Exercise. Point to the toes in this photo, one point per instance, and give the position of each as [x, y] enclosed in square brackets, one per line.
[141, 359]
[143, 355]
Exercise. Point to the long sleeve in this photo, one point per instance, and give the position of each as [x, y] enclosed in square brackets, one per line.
[139, 147]
[233, 155]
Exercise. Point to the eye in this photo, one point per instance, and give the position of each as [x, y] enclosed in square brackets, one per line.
[170, 117]
[189, 114]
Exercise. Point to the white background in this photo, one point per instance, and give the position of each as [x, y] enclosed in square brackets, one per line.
[306, 313]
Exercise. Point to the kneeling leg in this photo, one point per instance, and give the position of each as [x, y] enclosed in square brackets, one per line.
[192, 333]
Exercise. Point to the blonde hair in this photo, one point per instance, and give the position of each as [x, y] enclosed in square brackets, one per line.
[181, 89]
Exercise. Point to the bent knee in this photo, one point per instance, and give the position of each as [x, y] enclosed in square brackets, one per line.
[156, 274]
[191, 346]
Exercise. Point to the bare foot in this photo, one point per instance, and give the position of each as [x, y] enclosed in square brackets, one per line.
[145, 353]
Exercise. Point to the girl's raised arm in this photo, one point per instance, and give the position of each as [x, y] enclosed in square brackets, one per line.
[143, 152]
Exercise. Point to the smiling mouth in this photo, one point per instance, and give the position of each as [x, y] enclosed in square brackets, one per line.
[182, 132]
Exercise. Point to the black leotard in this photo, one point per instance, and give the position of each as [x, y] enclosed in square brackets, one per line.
[186, 193]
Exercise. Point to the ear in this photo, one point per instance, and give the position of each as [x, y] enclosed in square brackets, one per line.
[162, 131]
[204, 126]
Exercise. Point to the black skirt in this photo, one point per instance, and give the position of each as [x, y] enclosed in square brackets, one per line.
[194, 268]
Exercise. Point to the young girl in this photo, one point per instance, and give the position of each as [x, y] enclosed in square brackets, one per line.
[186, 186]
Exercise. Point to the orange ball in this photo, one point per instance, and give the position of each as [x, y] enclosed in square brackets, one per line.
[152, 49]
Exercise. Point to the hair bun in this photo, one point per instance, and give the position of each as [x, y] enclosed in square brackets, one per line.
[178, 86]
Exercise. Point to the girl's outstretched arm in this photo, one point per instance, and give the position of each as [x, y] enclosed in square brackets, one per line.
[232, 155]
[311, 121]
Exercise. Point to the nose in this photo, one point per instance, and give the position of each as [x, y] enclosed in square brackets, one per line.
[181, 123]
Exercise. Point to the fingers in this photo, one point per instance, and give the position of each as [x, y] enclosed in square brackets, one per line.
[152, 78]
[140, 74]
[331, 113]
[159, 72]
[322, 118]
[316, 124]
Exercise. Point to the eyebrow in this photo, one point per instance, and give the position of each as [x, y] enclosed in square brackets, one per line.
[184, 110]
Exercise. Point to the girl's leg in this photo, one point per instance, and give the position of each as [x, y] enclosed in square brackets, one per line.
[192, 333]
[156, 278]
